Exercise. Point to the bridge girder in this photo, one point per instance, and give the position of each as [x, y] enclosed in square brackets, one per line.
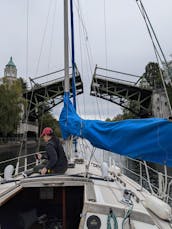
[121, 93]
[45, 96]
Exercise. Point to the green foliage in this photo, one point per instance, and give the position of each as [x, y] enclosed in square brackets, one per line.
[10, 107]
[108, 120]
[47, 120]
[152, 75]
[126, 115]
[169, 91]
[23, 84]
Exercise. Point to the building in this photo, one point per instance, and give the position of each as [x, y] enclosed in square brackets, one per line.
[168, 72]
[10, 72]
[10, 76]
[160, 107]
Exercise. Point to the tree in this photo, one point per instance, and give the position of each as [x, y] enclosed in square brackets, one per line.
[10, 107]
[23, 84]
[47, 120]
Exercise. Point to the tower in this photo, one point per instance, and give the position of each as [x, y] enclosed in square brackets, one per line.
[10, 71]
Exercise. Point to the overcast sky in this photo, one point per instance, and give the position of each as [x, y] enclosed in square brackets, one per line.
[110, 33]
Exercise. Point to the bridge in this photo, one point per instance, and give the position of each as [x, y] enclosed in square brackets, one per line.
[47, 91]
[123, 89]
[108, 85]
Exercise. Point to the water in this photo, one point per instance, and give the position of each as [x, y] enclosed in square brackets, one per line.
[12, 151]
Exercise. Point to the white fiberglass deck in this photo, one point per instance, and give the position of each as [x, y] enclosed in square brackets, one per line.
[100, 196]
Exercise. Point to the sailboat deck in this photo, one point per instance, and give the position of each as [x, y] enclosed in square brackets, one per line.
[99, 196]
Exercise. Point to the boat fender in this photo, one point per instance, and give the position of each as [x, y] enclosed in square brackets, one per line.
[158, 207]
[115, 170]
[104, 170]
[8, 172]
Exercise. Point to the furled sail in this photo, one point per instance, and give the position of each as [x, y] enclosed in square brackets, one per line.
[146, 139]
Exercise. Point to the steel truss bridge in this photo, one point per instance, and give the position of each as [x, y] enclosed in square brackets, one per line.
[114, 87]
[47, 91]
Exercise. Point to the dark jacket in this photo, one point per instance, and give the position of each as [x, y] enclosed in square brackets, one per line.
[57, 161]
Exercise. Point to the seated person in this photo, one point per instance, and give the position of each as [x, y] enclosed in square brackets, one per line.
[55, 158]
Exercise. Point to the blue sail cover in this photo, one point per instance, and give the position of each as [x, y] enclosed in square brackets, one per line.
[146, 139]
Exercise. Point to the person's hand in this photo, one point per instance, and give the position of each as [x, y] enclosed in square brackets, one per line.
[43, 171]
[38, 156]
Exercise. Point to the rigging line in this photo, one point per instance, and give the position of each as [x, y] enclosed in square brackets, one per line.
[80, 18]
[41, 124]
[87, 47]
[157, 55]
[85, 145]
[153, 32]
[95, 90]
[90, 59]
[24, 137]
[89, 53]
[162, 79]
[52, 33]
[73, 65]
[27, 51]
[164, 86]
[81, 53]
[88, 166]
[43, 38]
[149, 31]
[150, 34]
[27, 38]
[84, 32]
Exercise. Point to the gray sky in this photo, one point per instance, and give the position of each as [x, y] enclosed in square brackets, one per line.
[125, 46]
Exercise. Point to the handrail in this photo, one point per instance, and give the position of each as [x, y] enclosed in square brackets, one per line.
[165, 195]
[16, 158]
[150, 168]
[17, 167]
[142, 177]
[20, 167]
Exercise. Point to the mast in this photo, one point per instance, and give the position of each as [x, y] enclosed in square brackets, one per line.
[66, 68]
